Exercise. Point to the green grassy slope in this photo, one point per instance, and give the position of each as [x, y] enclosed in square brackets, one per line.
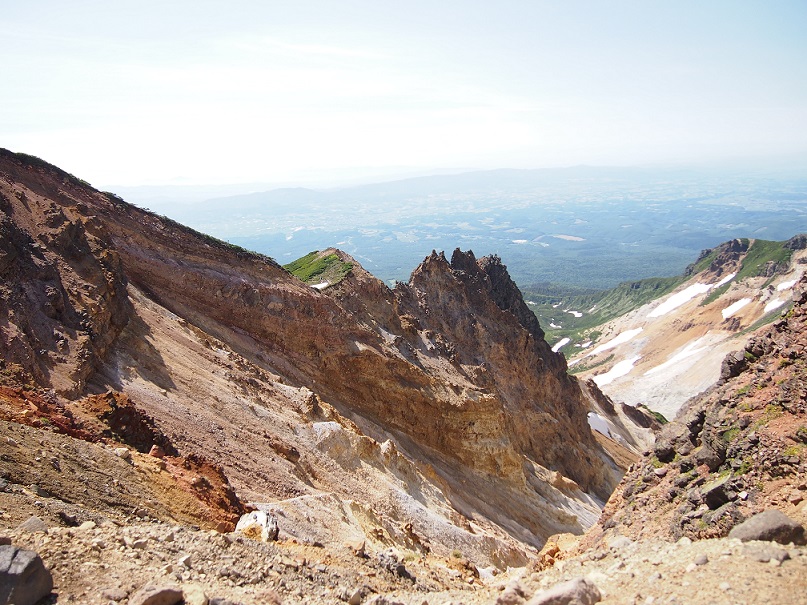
[316, 267]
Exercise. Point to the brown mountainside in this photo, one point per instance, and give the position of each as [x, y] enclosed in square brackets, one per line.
[433, 416]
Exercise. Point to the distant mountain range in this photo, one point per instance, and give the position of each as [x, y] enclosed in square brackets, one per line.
[548, 226]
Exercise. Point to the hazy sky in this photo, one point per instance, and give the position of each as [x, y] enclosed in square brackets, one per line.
[127, 93]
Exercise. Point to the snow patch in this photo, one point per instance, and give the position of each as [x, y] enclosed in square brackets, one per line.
[557, 327]
[569, 238]
[621, 369]
[678, 299]
[685, 295]
[575, 313]
[320, 285]
[623, 337]
[689, 350]
[725, 280]
[786, 285]
[520, 241]
[734, 307]
[774, 304]
[598, 423]
[561, 343]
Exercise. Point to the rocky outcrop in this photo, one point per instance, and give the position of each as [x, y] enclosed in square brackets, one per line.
[472, 312]
[726, 256]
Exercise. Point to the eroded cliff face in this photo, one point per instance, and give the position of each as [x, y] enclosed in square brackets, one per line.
[429, 416]
[63, 296]
[477, 317]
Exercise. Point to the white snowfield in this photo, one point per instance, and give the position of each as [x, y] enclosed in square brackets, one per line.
[621, 369]
[786, 285]
[774, 304]
[615, 342]
[685, 295]
[689, 350]
[598, 423]
[321, 285]
[734, 307]
[561, 343]
[575, 313]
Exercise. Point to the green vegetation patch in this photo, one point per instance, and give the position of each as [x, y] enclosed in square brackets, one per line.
[316, 266]
[759, 254]
[657, 415]
[549, 302]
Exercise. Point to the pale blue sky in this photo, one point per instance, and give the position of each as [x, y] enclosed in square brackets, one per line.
[127, 93]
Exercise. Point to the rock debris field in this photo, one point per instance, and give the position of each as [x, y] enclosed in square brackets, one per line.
[150, 563]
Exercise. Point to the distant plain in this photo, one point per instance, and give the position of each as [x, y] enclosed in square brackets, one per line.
[583, 227]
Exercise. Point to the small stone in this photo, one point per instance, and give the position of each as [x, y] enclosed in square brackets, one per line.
[33, 524]
[356, 547]
[24, 579]
[114, 594]
[5, 540]
[701, 559]
[513, 594]
[579, 591]
[185, 561]
[743, 495]
[123, 453]
[690, 568]
[157, 451]
[766, 552]
[157, 595]
[140, 544]
[87, 525]
[725, 586]
[660, 472]
[620, 543]
[357, 597]
[771, 525]
[194, 594]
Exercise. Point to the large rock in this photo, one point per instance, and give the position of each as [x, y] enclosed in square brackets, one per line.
[258, 525]
[772, 526]
[24, 579]
[157, 595]
[579, 591]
